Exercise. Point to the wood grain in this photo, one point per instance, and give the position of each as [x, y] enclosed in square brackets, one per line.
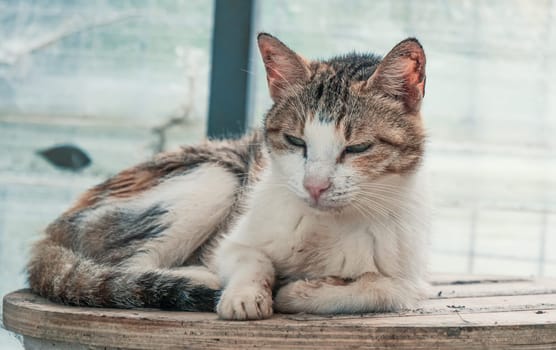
[492, 287]
[515, 319]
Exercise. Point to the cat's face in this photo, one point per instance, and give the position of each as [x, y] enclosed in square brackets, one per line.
[340, 129]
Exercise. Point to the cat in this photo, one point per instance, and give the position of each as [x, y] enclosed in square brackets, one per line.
[322, 210]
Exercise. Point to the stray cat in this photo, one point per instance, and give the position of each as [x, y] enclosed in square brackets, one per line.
[323, 210]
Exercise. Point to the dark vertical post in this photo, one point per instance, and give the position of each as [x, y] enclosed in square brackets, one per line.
[230, 66]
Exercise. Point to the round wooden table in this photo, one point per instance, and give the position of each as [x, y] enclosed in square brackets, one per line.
[462, 312]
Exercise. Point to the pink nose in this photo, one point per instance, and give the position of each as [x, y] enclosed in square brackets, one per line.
[316, 187]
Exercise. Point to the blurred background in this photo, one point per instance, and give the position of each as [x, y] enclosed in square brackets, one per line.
[122, 80]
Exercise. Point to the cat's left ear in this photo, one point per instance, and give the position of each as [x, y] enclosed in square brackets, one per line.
[401, 74]
[285, 70]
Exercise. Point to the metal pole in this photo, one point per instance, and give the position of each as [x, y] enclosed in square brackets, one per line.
[230, 66]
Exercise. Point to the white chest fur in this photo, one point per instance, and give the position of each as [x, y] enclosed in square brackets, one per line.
[319, 246]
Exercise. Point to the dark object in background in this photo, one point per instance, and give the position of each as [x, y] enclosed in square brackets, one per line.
[228, 106]
[67, 157]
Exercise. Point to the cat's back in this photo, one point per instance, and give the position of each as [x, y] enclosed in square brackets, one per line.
[144, 194]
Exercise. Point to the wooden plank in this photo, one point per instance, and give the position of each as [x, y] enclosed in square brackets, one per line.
[534, 303]
[492, 288]
[453, 279]
[490, 304]
[439, 327]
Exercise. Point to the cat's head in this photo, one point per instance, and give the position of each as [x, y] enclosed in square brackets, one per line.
[339, 127]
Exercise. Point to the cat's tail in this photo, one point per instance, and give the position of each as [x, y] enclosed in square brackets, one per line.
[62, 275]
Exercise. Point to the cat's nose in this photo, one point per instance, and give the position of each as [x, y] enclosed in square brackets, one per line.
[316, 187]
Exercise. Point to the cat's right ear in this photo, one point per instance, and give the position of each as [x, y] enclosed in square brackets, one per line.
[284, 68]
[401, 74]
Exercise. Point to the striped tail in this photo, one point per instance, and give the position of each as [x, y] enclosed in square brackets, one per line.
[61, 275]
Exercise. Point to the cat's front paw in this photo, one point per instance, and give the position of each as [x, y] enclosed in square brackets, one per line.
[245, 303]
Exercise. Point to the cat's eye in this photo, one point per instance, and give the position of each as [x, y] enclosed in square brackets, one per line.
[294, 141]
[362, 147]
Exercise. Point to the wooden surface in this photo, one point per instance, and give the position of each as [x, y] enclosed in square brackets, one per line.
[462, 312]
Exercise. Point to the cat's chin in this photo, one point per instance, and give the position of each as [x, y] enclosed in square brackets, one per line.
[325, 206]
